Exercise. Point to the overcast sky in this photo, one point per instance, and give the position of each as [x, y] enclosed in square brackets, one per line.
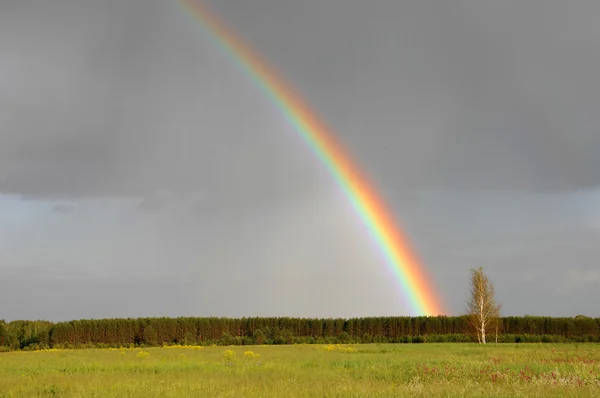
[143, 174]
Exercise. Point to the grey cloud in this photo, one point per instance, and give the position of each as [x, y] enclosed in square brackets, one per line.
[577, 277]
[301, 258]
[81, 298]
[151, 204]
[63, 209]
[156, 201]
[32, 272]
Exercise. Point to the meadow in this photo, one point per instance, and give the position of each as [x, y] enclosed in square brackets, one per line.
[365, 370]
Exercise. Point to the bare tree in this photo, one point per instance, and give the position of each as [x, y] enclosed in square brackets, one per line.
[482, 309]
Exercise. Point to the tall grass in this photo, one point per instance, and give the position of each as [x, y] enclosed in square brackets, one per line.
[372, 370]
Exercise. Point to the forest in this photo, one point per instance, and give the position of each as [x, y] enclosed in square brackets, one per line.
[148, 332]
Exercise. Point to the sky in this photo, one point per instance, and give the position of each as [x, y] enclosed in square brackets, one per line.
[142, 173]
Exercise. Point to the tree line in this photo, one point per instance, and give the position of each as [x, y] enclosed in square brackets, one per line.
[129, 332]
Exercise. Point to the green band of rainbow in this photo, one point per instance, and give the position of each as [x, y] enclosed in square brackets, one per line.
[371, 208]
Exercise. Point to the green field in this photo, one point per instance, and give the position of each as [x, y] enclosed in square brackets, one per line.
[373, 370]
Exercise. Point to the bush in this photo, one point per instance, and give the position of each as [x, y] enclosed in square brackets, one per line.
[345, 338]
[259, 337]
[367, 338]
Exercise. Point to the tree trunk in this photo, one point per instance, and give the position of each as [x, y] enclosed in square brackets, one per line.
[497, 321]
[482, 331]
[482, 317]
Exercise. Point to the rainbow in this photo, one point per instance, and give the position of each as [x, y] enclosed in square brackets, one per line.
[372, 210]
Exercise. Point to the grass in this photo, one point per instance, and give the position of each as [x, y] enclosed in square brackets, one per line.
[421, 370]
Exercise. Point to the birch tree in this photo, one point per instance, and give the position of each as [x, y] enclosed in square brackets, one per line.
[482, 309]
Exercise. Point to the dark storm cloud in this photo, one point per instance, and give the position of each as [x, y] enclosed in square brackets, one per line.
[428, 94]
[452, 95]
[136, 102]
